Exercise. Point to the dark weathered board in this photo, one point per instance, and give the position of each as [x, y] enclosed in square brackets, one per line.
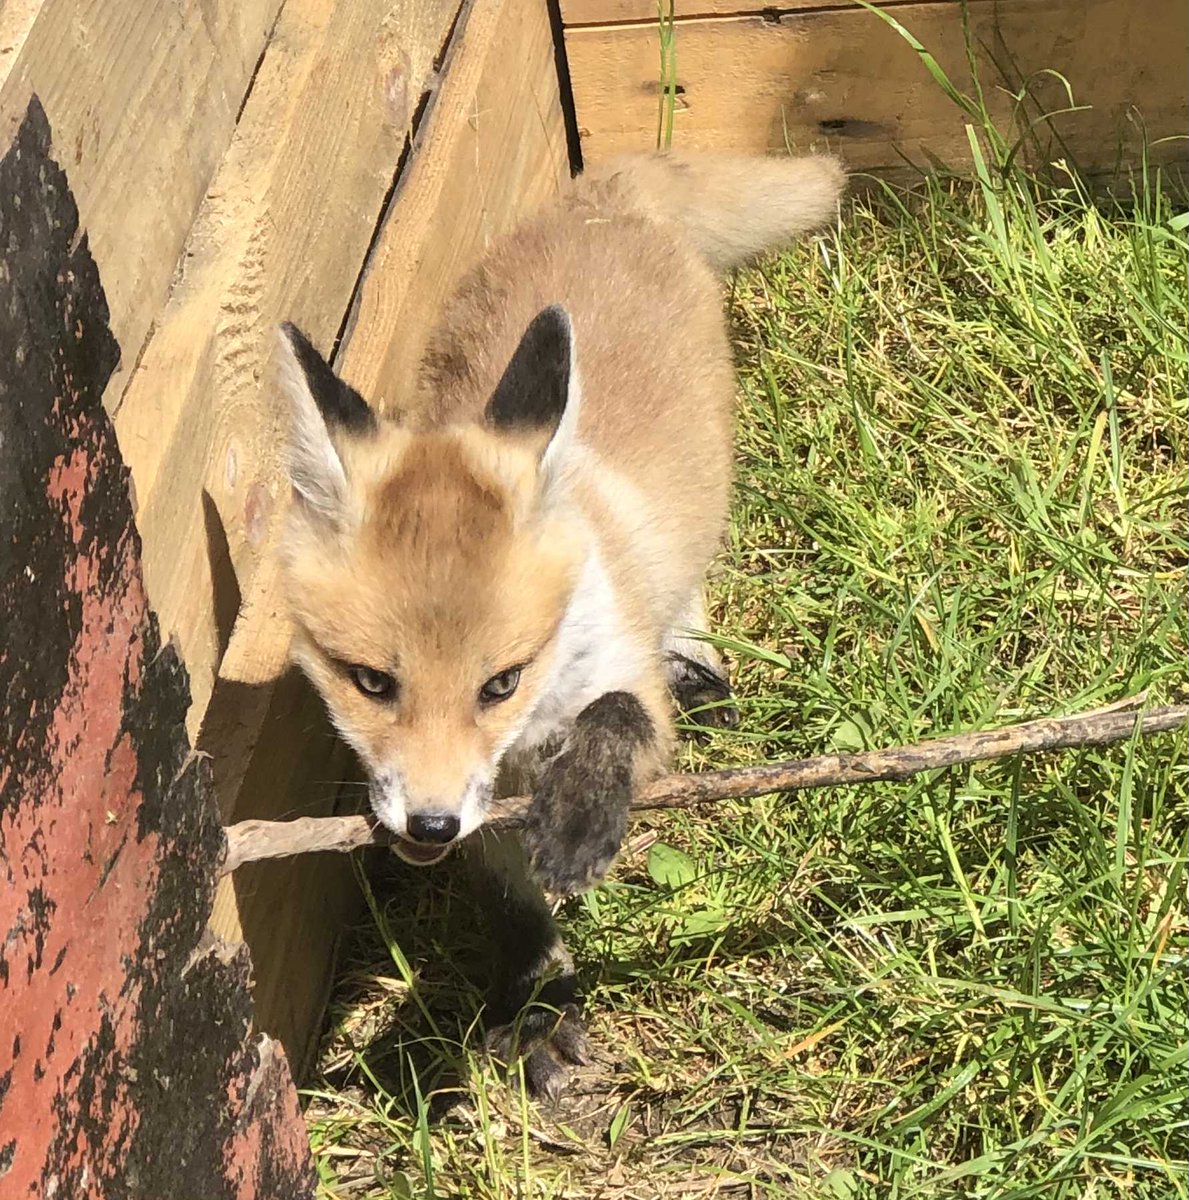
[128, 1064]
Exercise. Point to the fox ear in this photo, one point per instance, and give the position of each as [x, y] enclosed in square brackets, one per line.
[322, 407]
[538, 393]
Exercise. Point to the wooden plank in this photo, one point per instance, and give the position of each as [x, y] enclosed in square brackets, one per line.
[494, 149]
[282, 234]
[142, 98]
[615, 12]
[291, 917]
[128, 1065]
[491, 146]
[16, 19]
[845, 80]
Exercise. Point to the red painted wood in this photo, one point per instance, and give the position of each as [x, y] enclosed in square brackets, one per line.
[128, 1064]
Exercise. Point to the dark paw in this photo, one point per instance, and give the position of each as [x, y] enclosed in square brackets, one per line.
[578, 817]
[547, 1043]
[572, 834]
[702, 695]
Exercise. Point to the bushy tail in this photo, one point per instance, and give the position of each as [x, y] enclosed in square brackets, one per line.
[732, 208]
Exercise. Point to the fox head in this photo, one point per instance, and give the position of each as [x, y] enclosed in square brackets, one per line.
[429, 572]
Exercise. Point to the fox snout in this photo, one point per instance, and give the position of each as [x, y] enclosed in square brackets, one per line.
[433, 828]
[427, 825]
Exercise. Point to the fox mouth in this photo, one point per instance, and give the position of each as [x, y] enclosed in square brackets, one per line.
[417, 854]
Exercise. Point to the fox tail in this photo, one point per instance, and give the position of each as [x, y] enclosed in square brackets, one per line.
[732, 208]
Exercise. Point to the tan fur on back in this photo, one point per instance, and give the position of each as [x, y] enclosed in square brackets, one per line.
[655, 367]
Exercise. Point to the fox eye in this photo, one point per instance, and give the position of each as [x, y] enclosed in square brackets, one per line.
[376, 685]
[500, 687]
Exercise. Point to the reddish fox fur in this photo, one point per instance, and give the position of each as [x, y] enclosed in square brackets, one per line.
[499, 589]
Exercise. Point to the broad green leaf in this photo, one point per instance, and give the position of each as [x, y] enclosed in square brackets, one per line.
[670, 867]
[618, 1124]
[841, 1183]
[701, 922]
[847, 738]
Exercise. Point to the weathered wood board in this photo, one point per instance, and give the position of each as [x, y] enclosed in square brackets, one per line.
[614, 12]
[282, 233]
[128, 1061]
[16, 19]
[843, 79]
[142, 98]
[493, 150]
[490, 147]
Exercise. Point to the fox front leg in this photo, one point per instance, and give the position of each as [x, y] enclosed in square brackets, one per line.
[579, 811]
[533, 1010]
[696, 673]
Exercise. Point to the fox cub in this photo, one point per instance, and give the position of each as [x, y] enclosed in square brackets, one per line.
[495, 592]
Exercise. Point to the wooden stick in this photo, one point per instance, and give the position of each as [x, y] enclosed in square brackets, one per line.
[250, 841]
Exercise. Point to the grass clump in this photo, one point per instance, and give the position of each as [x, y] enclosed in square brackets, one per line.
[961, 501]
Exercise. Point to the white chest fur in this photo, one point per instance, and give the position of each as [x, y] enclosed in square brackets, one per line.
[596, 653]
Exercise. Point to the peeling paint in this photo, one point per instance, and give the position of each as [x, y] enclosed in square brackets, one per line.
[133, 1070]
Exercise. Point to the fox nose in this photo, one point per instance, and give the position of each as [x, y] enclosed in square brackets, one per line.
[436, 828]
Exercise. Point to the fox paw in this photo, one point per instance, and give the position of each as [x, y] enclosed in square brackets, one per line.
[701, 693]
[547, 1043]
[572, 832]
[578, 816]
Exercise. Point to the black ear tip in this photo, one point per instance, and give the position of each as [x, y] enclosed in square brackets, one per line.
[306, 353]
[301, 344]
[533, 389]
[338, 403]
[554, 321]
[550, 336]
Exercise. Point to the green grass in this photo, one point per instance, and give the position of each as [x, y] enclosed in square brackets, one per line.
[666, 28]
[961, 502]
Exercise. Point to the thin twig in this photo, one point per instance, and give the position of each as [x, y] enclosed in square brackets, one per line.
[250, 841]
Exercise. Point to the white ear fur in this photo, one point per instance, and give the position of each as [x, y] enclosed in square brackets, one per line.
[560, 453]
[314, 466]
